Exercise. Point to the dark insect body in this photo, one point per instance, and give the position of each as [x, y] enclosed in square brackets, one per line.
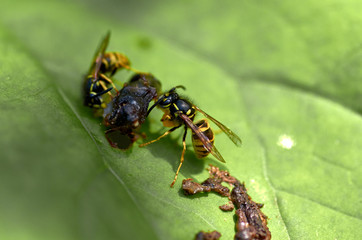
[128, 109]
[180, 112]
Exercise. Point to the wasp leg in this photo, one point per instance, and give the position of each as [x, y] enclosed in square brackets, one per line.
[105, 88]
[113, 72]
[135, 70]
[128, 67]
[163, 135]
[105, 78]
[182, 157]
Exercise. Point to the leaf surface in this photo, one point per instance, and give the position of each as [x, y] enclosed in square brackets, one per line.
[271, 80]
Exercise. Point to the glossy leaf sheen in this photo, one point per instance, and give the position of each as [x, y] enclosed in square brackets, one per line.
[269, 71]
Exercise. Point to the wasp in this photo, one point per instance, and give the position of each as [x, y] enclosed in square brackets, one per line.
[96, 82]
[103, 67]
[128, 109]
[178, 112]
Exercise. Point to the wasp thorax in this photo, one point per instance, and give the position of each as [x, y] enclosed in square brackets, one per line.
[182, 105]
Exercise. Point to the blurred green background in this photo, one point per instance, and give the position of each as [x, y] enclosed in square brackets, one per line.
[284, 75]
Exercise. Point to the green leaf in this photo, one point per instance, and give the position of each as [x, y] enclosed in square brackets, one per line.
[283, 77]
[313, 47]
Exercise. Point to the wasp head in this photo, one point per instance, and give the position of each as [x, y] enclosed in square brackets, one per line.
[167, 99]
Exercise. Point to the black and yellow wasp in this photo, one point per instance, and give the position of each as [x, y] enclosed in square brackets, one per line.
[103, 67]
[180, 112]
[96, 83]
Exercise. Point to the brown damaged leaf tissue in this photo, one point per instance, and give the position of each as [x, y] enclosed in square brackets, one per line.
[251, 222]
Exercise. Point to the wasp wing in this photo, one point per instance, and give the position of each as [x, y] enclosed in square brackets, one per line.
[98, 56]
[205, 141]
[233, 137]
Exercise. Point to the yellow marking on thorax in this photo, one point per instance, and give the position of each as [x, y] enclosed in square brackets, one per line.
[175, 106]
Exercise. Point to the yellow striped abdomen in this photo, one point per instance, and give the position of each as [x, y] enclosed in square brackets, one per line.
[112, 61]
[199, 148]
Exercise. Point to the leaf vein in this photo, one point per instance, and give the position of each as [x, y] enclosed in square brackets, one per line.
[319, 203]
[119, 179]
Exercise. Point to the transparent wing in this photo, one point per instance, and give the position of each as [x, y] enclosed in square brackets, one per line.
[98, 56]
[205, 141]
[233, 137]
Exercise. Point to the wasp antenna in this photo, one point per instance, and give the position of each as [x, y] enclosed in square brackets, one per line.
[181, 86]
[153, 106]
[103, 92]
